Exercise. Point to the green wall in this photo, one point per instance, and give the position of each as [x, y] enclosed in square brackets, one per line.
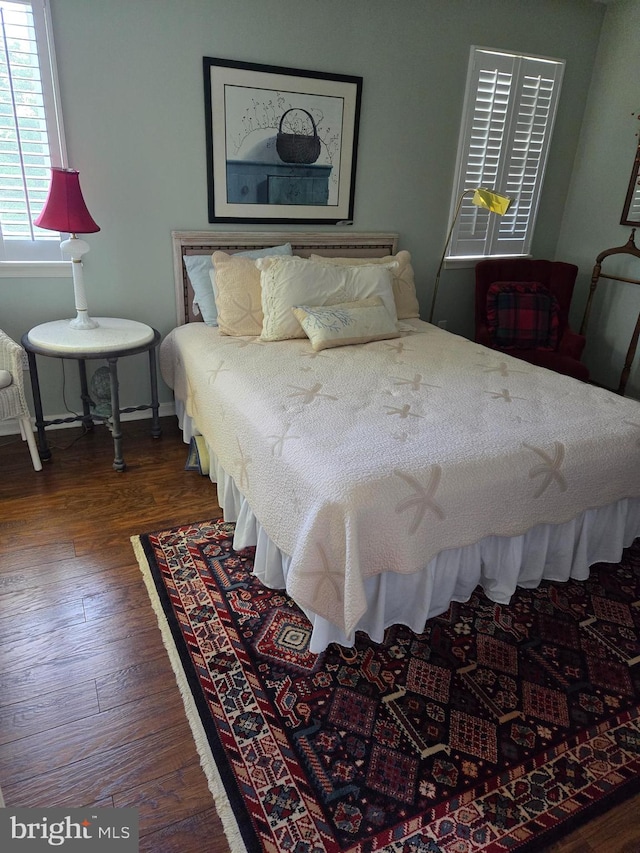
[591, 223]
[132, 95]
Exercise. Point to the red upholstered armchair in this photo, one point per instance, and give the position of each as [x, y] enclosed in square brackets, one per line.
[522, 308]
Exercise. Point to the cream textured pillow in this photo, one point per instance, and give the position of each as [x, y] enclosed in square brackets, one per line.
[404, 286]
[237, 295]
[295, 281]
[203, 279]
[346, 323]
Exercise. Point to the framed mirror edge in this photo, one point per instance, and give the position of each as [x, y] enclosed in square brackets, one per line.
[631, 209]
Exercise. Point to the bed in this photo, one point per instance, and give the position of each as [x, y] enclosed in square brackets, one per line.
[381, 480]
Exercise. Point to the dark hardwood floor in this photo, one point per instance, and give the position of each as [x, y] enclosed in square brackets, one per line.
[90, 713]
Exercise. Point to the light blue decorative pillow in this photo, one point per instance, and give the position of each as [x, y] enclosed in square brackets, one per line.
[201, 274]
[198, 267]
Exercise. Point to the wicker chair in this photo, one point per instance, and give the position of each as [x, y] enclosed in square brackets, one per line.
[13, 403]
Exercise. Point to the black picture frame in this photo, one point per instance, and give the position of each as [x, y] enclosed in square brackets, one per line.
[281, 143]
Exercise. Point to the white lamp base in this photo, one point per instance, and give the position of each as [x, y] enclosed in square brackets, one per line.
[75, 249]
[83, 321]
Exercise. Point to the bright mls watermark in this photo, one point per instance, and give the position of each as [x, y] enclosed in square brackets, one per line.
[36, 830]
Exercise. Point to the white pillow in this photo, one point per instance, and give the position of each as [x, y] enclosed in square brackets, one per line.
[5, 379]
[347, 323]
[286, 282]
[404, 285]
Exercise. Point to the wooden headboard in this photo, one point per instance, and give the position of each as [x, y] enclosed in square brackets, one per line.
[331, 244]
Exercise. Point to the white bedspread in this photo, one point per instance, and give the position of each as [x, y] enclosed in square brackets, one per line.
[370, 459]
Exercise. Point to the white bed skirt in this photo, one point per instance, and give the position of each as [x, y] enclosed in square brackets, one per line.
[498, 564]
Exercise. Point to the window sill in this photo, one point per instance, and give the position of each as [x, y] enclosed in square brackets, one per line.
[35, 269]
[469, 262]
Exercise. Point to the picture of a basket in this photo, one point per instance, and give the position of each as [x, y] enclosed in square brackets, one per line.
[298, 147]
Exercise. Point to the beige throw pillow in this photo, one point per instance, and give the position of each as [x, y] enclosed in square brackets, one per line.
[404, 286]
[238, 295]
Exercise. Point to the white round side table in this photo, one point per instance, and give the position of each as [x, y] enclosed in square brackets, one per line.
[113, 338]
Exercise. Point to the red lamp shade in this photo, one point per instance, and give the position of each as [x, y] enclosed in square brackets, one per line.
[64, 209]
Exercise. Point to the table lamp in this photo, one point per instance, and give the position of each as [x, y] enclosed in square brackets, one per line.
[494, 202]
[65, 211]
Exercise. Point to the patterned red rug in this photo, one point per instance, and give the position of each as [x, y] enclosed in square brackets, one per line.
[497, 729]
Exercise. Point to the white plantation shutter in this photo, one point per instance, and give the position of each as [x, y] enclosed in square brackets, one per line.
[30, 129]
[510, 107]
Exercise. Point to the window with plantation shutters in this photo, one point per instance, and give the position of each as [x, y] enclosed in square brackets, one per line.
[510, 107]
[30, 129]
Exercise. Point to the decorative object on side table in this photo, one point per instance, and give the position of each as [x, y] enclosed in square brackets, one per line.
[65, 211]
[100, 386]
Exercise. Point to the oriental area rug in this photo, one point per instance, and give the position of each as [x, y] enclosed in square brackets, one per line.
[499, 728]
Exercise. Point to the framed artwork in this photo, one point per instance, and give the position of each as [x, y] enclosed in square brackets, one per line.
[281, 143]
